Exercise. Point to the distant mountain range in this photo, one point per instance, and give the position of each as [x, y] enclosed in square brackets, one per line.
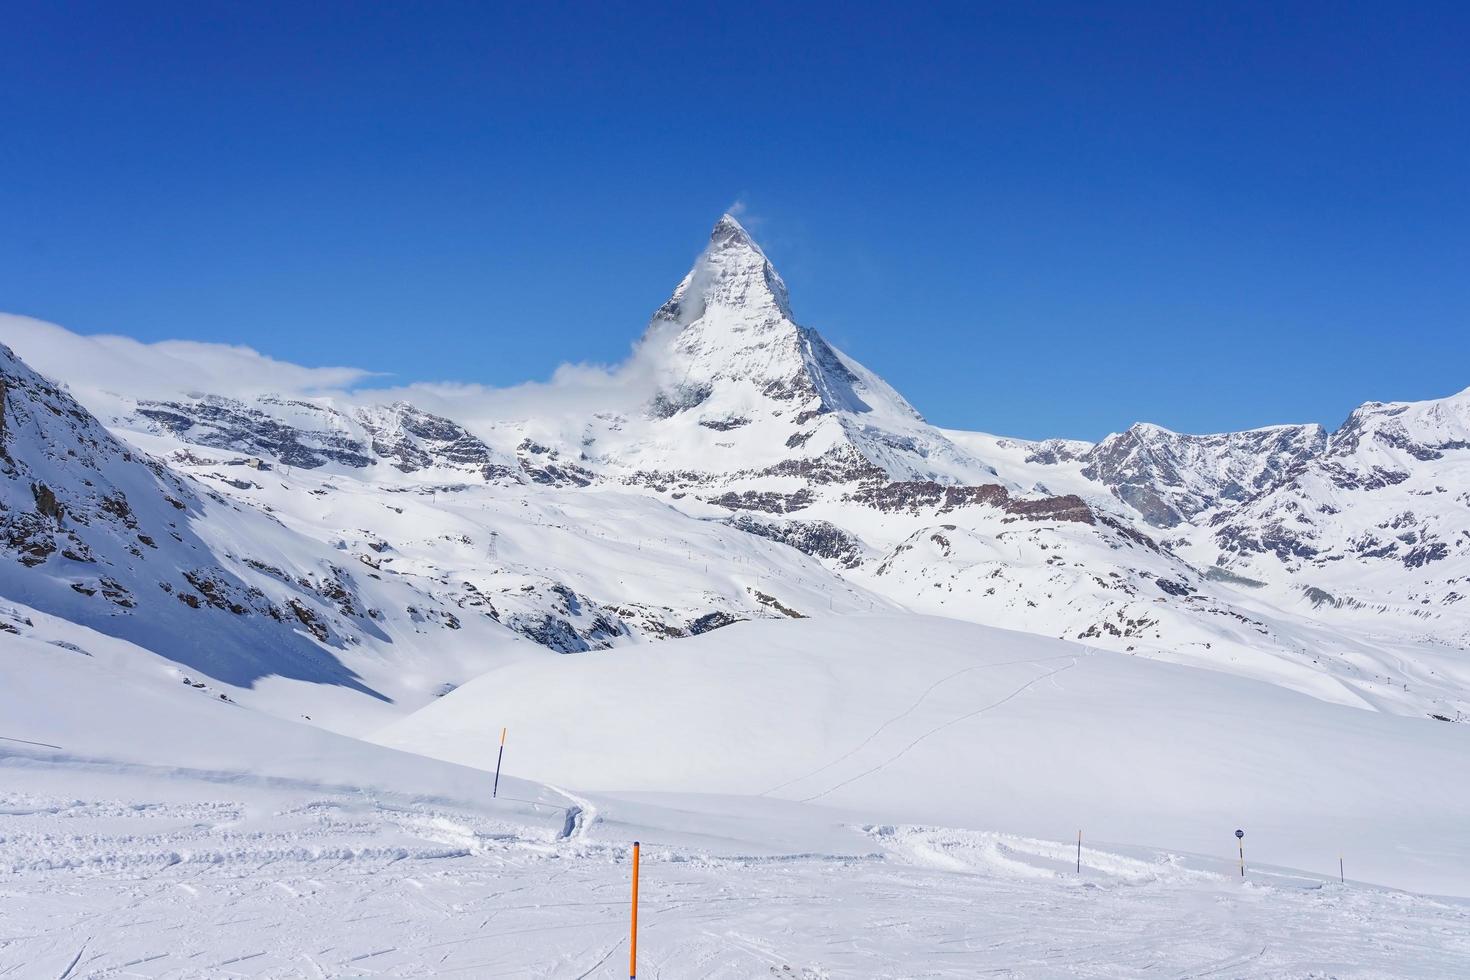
[332, 557]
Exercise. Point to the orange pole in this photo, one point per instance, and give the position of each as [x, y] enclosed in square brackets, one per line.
[633, 942]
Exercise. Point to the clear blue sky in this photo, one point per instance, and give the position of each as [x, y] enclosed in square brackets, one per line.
[1036, 219]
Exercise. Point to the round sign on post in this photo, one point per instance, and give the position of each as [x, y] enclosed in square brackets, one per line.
[1240, 842]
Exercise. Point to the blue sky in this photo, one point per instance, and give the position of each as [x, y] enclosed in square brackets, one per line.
[1035, 219]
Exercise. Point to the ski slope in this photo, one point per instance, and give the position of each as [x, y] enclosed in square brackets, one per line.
[183, 879]
[910, 718]
[155, 831]
[698, 583]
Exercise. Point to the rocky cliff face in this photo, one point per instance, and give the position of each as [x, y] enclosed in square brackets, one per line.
[1380, 519]
[96, 532]
[311, 434]
[1169, 478]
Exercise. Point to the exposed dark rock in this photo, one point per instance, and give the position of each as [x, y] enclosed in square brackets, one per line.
[1173, 588]
[414, 440]
[223, 423]
[1053, 452]
[543, 465]
[1375, 478]
[711, 621]
[820, 539]
[725, 424]
[1426, 553]
[773, 603]
[309, 619]
[550, 631]
[4, 453]
[765, 500]
[46, 503]
[680, 398]
[1068, 507]
[1169, 477]
[841, 464]
[912, 496]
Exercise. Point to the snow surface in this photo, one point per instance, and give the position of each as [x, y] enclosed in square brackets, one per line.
[925, 719]
[167, 834]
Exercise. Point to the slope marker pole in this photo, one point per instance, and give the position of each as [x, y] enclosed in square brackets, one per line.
[633, 934]
[1079, 852]
[1240, 840]
[1342, 878]
[496, 791]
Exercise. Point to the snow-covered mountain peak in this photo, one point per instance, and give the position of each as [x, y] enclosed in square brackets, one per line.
[1390, 432]
[729, 231]
[726, 356]
[731, 276]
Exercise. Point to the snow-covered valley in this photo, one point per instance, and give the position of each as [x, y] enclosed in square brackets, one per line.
[855, 681]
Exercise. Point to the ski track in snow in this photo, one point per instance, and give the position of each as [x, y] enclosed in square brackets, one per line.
[899, 717]
[201, 885]
[936, 729]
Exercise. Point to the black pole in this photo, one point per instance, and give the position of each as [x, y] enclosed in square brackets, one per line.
[1079, 852]
[1340, 876]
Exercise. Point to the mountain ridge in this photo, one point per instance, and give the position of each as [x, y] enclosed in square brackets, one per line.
[765, 474]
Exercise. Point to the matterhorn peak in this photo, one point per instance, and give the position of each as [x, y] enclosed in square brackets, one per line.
[729, 232]
[732, 274]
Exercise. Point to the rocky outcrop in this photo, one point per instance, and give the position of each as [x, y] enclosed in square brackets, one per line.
[820, 539]
[320, 434]
[915, 497]
[1169, 477]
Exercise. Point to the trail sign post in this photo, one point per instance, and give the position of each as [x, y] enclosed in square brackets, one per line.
[1240, 841]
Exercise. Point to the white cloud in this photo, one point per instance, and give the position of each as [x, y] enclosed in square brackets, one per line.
[169, 368]
[103, 371]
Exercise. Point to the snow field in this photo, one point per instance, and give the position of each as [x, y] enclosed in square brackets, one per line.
[916, 719]
[174, 878]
